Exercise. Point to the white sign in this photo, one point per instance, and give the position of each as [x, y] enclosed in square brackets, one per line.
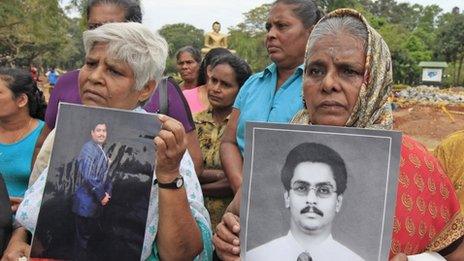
[431, 75]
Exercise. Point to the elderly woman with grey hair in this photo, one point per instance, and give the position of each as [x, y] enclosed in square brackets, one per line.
[122, 64]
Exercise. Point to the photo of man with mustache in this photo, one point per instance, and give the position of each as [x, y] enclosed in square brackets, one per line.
[314, 178]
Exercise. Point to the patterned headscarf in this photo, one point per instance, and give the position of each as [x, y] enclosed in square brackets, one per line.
[372, 110]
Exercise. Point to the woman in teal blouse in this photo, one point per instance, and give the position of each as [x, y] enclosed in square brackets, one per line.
[23, 107]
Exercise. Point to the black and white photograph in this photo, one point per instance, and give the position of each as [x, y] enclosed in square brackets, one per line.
[97, 191]
[318, 193]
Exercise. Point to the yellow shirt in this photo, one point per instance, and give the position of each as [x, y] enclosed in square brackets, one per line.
[450, 153]
[209, 135]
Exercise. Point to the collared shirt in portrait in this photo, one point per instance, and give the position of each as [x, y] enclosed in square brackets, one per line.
[259, 101]
[287, 248]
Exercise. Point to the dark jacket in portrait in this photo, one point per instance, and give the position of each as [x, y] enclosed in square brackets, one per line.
[92, 181]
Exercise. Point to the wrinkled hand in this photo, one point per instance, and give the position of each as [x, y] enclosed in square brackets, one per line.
[226, 239]
[399, 257]
[16, 250]
[14, 202]
[170, 148]
[106, 199]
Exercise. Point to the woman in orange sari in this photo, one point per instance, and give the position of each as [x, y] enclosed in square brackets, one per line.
[347, 80]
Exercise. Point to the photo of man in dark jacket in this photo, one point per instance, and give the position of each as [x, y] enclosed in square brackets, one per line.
[93, 193]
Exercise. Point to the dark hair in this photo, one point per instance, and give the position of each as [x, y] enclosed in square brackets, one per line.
[133, 12]
[241, 68]
[196, 54]
[306, 11]
[216, 22]
[19, 82]
[317, 153]
[202, 77]
[98, 122]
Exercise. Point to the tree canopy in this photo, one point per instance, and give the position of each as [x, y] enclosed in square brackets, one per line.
[37, 31]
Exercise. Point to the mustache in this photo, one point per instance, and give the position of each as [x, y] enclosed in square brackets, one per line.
[314, 209]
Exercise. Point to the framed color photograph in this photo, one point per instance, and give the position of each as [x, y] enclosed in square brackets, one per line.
[318, 193]
[98, 186]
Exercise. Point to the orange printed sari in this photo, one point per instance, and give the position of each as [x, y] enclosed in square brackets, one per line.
[427, 215]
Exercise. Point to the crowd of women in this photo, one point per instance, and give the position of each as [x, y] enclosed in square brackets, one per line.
[327, 70]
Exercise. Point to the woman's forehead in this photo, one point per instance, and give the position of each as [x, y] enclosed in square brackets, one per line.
[100, 50]
[106, 13]
[338, 46]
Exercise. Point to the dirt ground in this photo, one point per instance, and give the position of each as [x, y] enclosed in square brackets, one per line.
[428, 124]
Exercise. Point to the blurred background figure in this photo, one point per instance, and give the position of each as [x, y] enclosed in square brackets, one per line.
[34, 73]
[188, 66]
[52, 76]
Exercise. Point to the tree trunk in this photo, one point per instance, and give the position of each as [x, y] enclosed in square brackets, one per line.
[455, 73]
[459, 69]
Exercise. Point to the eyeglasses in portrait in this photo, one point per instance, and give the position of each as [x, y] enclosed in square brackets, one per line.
[318, 193]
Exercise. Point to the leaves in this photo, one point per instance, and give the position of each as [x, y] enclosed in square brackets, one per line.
[34, 30]
[178, 36]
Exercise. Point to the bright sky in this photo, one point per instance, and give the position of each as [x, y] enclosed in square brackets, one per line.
[202, 13]
[199, 13]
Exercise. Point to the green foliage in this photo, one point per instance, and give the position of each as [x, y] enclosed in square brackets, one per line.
[255, 20]
[330, 5]
[178, 36]
[450, 43]
[247, 38]
[35, 31]
[410, 32]
[251, 48]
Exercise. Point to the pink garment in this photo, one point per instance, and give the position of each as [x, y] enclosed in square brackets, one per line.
[193, 99]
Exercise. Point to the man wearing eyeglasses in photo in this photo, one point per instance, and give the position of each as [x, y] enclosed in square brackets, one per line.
[314, 178]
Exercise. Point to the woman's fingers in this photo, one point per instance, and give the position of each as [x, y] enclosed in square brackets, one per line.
[223, 248]
[173, 126]
[170, 147]
[226, 234]
[232, 222]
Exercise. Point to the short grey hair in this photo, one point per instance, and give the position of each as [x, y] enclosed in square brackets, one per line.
[145, 51]
[336, 25]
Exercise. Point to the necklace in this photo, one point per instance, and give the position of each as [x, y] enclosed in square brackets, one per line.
[21, 132]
